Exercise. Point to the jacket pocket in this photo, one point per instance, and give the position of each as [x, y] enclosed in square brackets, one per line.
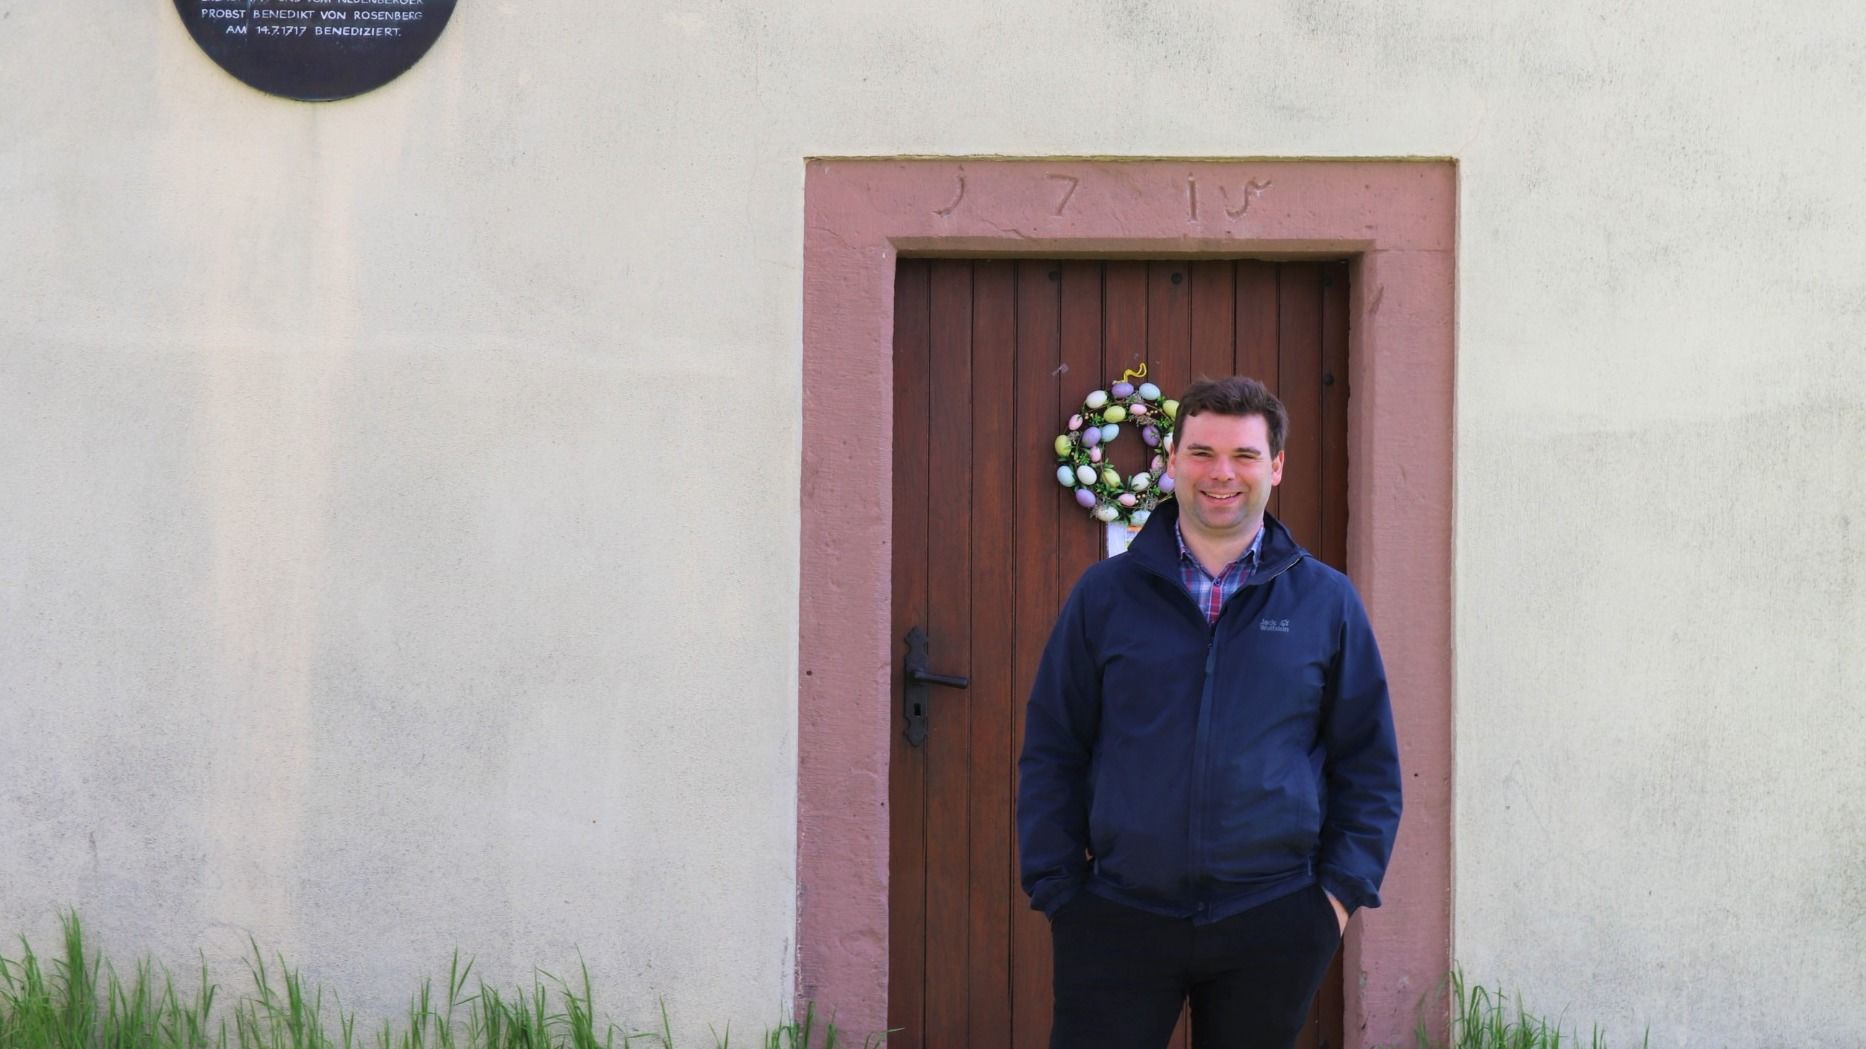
[1138, 826]
[1265, 822]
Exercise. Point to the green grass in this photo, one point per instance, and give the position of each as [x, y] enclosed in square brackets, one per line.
[81, 1001]
[1486, 1019]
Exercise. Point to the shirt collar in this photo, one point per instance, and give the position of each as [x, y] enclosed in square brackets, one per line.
[1252, 553]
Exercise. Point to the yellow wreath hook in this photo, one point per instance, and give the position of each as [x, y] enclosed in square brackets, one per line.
[1135, 373]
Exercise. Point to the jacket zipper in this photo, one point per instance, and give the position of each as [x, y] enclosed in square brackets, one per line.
[1201, 749]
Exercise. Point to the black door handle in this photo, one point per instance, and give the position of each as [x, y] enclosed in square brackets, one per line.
[949, 680]
[914, 694]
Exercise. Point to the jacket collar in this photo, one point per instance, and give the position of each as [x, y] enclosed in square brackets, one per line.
[1157, 547]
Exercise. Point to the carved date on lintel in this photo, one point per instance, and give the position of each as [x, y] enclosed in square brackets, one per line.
[1252, 190]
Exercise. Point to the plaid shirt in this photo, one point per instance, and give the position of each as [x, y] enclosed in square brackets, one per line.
[1211, 594]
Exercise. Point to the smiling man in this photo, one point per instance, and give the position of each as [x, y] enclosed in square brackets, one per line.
[1209, 784]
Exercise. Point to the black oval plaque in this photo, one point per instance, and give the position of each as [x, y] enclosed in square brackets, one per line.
[315, 50]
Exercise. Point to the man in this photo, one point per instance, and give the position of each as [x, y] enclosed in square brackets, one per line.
[1209, 784]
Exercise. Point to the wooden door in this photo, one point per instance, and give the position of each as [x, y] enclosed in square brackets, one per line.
[990, 359]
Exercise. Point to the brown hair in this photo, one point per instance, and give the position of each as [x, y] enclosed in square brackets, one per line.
[1236, 395]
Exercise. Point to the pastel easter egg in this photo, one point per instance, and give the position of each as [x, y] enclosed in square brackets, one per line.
[1091, 437]
[1085, 498]
[1086, 474]
[1115, 414]
[1138, 411]
[1110, 478]
[1166, 483]
[1126, 499]
[1139, 517]
[1075, 422]
[1106, 512]
[1095, 400]
[1140, 481]
[1172, 409]
[1094, 455]
[1110, 431]
[1149, 392]
[1063, 444]
[1122, 390]
[1151, 436]
[1065, 476]
[1157, 464]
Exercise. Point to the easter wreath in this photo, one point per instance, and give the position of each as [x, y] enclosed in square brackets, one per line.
[1099, 488]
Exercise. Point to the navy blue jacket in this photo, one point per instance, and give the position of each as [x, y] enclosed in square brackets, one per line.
[1197, 770]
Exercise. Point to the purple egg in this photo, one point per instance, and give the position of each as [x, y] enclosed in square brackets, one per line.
[1166, 483]
[1122, 390]
[1091, 437]
[1151, 436]
[1085, 498]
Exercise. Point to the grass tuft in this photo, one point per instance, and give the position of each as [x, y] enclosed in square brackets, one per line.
[80, 1002]
[1486, 1019]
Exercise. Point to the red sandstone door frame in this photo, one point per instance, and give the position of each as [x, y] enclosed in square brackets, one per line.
[1396, 220]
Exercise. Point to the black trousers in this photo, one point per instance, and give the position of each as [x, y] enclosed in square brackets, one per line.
[1122, 974]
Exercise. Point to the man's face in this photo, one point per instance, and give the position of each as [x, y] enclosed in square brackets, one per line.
[1223, 473]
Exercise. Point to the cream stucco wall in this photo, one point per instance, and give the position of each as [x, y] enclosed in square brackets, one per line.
[350, 595]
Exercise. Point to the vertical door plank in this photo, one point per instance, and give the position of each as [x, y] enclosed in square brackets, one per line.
[949, 465]
[1299, 366]
[991, 506]
[1125, 314]
[1040, 414]
[1169, 325]
[906, 770]
[1257, 321]
[1257, 332]
[1214, 322]
[1078, 538]
[1334, 428]
[1169, 331]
